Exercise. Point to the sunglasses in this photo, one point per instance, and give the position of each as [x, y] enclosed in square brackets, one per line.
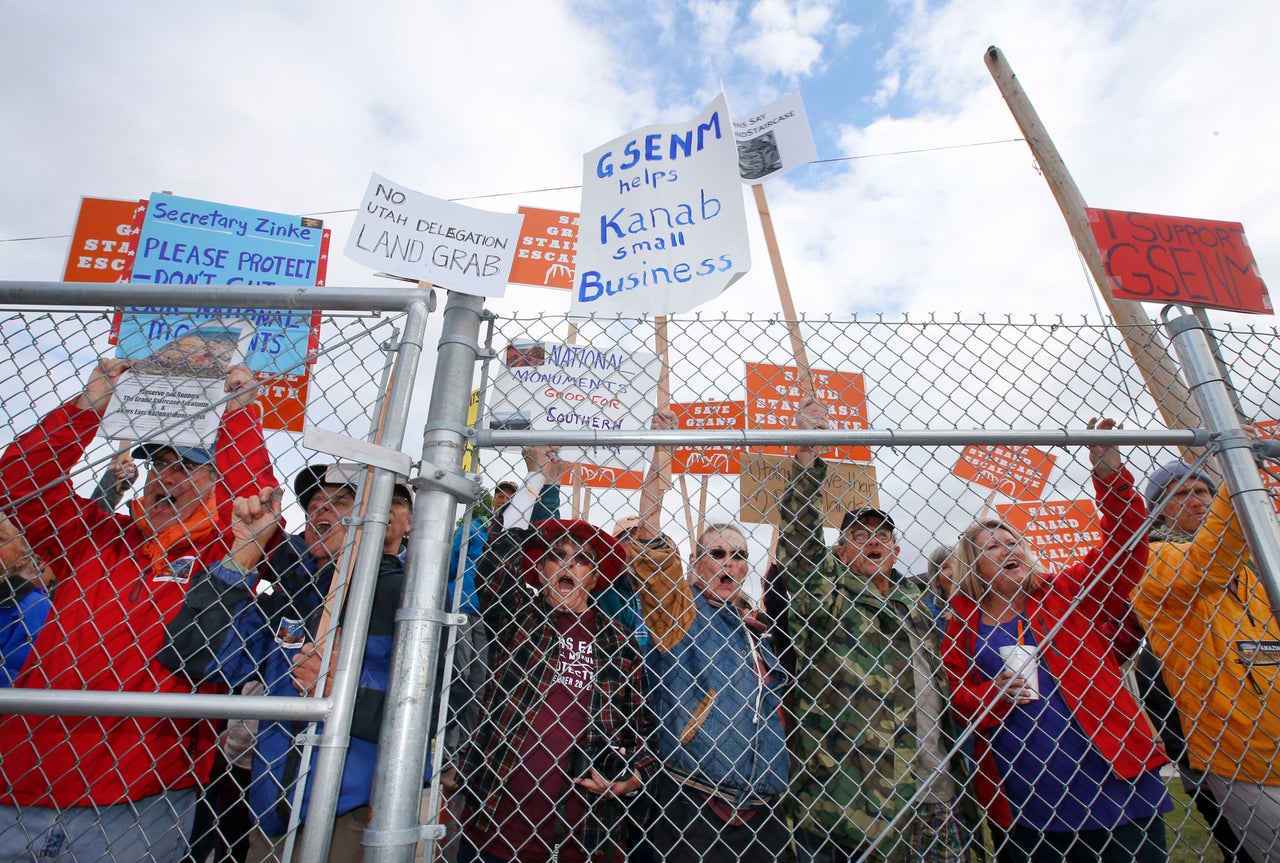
[722, 553]
[557, 556]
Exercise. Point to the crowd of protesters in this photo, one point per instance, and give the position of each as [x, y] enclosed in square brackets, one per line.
[615, 700]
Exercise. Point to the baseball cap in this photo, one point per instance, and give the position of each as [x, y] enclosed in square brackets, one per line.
[193, 454]
[865, 513]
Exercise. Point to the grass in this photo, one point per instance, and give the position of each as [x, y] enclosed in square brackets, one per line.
[1188, 835]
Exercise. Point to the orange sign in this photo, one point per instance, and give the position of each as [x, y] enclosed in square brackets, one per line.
[547, 247]
[595, 476]
[1060, 531]
[708, 415]
[1268, 429]
[1173, 259]
[774, 396]
[102, 242]
[1021, 472]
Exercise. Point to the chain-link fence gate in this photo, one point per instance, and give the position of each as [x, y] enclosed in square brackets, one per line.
[745, 660]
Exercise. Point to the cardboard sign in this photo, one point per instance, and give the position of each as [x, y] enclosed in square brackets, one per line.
[708, 415]
[1172, 259]
[764, 480]
[409, 234]
[663, 225]
[550, 385]
[1060, 531]
[548, 243]
[1021, 472]
[102, 243]
[773, 140]
[774, 396]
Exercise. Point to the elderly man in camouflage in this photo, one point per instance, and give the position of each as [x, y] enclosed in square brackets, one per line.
[869, 708]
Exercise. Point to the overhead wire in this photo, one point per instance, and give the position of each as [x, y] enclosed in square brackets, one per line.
[579, 186]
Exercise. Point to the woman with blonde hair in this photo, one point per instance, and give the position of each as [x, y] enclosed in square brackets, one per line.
[1067, 761]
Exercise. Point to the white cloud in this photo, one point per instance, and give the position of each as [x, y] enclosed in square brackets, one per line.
[785, 38]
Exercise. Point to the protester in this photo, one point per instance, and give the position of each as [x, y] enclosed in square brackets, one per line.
[716, 689]
[1067, 761]
[243, 621]
[124, 787]
[872, 731]
[25, 582]
[1210, 625]
[563, 722]
[939, 584]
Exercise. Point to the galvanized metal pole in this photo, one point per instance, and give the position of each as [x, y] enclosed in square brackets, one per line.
[394, 827]
[1140, 335]
[1249, 496]
[334, 740]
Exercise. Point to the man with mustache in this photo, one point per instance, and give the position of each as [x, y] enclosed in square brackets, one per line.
[84, 787]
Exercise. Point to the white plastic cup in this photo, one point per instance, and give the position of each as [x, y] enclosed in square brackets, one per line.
[1021, 660]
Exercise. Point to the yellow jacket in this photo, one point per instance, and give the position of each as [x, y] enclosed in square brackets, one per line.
[1209, 622]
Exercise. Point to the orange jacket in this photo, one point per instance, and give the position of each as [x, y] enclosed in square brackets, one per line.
[1209, 622]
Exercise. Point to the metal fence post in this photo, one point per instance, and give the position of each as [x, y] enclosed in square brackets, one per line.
[1249, 496]
[334, 740]
[394, 828]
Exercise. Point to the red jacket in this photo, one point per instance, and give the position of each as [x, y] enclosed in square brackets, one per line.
[1080, 655]
[118, 589]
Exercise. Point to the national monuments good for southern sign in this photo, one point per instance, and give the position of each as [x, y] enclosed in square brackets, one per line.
[545, 385]
[416, 236]
[662, 228]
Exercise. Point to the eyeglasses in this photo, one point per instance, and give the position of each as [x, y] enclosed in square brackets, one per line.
[861, 535]
[161, 465]
[555, 555]
[722, 553]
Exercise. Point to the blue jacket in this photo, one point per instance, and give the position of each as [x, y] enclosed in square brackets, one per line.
[21, 619]
[720, 721]
[226, 634]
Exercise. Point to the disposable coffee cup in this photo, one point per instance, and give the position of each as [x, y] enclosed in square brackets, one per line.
[1021, 660]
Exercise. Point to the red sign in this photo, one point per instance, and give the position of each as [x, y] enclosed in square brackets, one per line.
[1267, 429]
[1021, 472]
[708, 415]
[1060, 531]
[774, 396]
[102, 242]
[547, 247]
[1171, 259]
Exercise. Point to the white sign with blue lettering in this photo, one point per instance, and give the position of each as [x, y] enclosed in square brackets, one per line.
[409, 234]
[663, 228]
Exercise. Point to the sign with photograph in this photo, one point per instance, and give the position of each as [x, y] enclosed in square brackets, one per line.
[663, 226]
[773, 140]
[409, 234]
[175, 394]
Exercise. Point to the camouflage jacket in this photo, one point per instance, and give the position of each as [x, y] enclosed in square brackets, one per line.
[853, 707]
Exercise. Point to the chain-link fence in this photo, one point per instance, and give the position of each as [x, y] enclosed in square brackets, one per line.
[721, 639]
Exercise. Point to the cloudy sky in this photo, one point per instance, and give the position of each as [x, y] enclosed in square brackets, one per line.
[289, 106]
[922, 201]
